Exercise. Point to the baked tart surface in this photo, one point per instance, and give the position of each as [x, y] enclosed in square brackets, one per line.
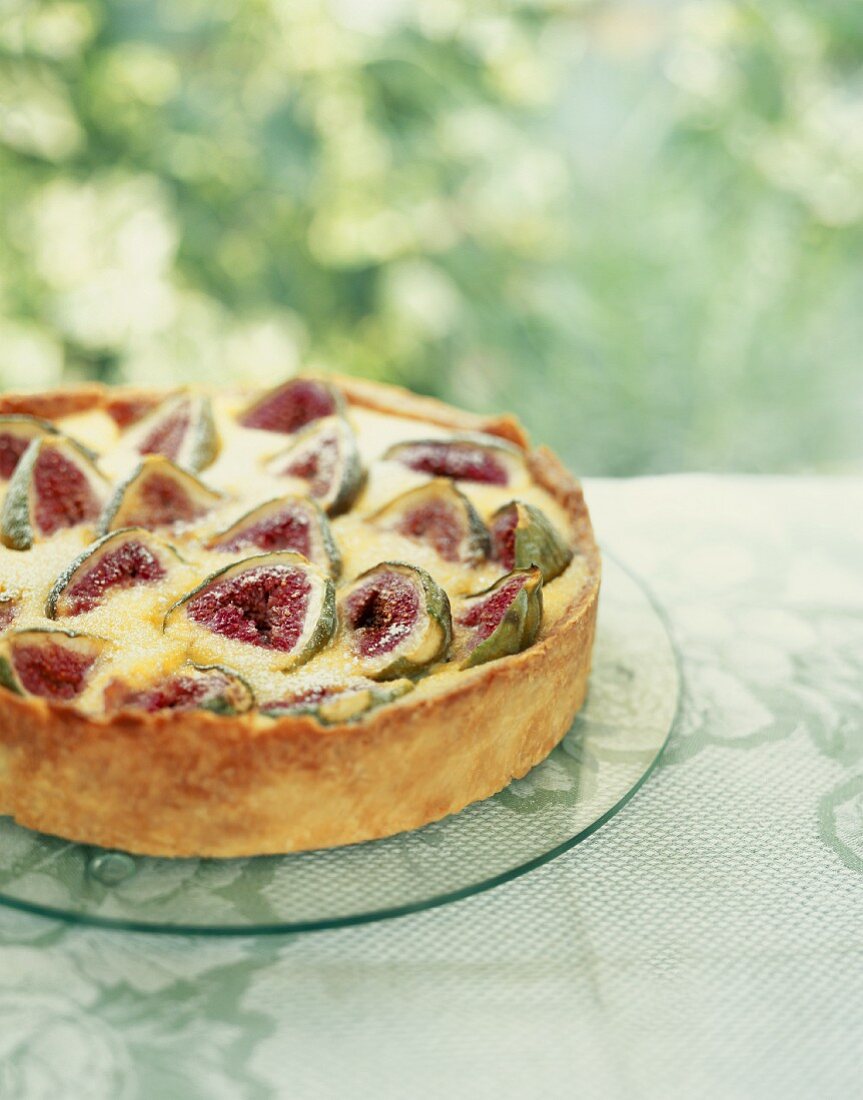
[242, 623]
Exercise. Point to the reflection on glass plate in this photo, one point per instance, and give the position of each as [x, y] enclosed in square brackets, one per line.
[610, 749]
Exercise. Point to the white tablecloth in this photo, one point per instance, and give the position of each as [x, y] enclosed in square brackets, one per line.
[707, 942]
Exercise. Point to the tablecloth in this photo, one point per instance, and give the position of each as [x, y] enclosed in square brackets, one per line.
[706, 942]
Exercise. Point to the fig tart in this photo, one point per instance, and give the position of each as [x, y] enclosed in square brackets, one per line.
[237, 623]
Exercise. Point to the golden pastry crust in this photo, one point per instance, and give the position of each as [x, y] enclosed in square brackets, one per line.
[198, 784]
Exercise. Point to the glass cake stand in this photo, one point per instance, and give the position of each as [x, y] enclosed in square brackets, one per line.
[607, 754]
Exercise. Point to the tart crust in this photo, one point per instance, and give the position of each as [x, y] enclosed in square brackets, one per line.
[198, 784]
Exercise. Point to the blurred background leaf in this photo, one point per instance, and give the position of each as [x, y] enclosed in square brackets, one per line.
[639, 224]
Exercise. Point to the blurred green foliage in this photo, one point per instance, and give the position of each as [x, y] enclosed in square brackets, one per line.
[640, 224]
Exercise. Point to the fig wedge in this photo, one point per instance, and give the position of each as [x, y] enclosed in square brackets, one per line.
[287, 523]
[55, 485]
[125, 411]
[193, 687]
[119, 560]
[293, 405]
[16, 434]
[503, 619]
[466, 457]
[182, 429]
[8, 608]
[158, 494]
[333, 706]
[325, 456]
[396, 620]
[522, 535]
[275, 602]
[48, 662]
[440, 516]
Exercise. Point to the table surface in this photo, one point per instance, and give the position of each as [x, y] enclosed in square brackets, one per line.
[707, 942]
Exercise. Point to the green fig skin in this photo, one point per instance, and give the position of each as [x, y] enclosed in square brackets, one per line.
[328, 556]
[535, 540]
[116, 513]
[519, 626]
[325, 626]
[17, 529]
[473, 546]
[345, 707]
[428, 646]
[89, 556]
